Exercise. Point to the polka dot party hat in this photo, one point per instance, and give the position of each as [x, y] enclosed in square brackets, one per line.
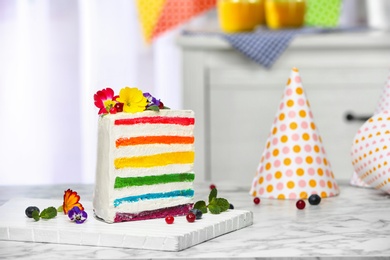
[383, 105]
[370, 152]
[294, 163]
[384, 100]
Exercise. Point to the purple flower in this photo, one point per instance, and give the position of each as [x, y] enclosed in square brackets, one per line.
[152, 101]
[77, 215]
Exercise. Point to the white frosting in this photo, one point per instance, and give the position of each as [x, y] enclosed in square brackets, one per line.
[108, 133]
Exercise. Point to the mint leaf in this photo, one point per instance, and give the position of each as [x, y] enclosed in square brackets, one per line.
[214, 209]
[35, 215]
[153, 108]
[201, 205]
[60, 209]
[49, 213]
[213, 194]
[222, 203]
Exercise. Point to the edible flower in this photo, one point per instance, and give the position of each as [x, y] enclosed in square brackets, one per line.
[77, 215]
[71, 200]
[105, 100]
[133, 100]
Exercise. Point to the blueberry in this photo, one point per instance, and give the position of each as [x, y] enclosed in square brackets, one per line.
[30, 210]
[197, 213]
[231, 206]
[314, 199]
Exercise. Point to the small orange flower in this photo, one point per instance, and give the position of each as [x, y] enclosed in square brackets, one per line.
[71, 199]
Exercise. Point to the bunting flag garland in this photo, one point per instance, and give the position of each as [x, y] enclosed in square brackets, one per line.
[159, 16]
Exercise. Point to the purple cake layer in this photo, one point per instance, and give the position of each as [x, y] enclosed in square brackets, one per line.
[151, 214]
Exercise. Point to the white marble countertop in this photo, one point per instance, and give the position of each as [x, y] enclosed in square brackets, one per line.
[354, 224]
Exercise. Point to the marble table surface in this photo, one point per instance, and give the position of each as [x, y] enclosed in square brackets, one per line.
[354, 224]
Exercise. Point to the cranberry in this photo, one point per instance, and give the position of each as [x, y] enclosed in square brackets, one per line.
[212, 186]
[256, 200]
[119, 107]
[300, 204]
[169, 219]
[190, 217]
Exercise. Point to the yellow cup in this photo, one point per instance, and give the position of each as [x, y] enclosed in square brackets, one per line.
[240, 15]
[281, 14]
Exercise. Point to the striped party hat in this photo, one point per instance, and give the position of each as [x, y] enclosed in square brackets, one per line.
[294, 163]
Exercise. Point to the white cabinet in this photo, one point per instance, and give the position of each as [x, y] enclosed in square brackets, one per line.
[235, 100]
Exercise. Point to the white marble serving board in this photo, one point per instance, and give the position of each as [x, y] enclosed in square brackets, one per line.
[152, 234]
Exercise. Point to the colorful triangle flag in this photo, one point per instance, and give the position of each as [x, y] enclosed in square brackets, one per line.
[149, 12]
[159, 16]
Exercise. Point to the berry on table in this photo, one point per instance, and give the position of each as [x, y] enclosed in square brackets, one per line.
[190, 217]
[231, 206]
[256, 200]
[212, 186]
[169, 219]
[198, 213]
[300, 204]
[29, 211]
[314, 199]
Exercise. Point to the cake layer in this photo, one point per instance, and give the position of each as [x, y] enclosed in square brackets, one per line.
[150, 204]
[172, 120]
[145, 150]
[122, 131]
[123, 182]
[178, 210]
[155, 160]
[140, 190]
[153, 196]
[167, 169]
[155, 140]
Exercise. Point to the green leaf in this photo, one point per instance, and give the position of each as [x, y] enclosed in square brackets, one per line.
[35, 215]
[214, 209]
[204, 210]
[49, 213]
[153, 108]
[222, 203]
[213, 194]
[200, 204]
[60, 209]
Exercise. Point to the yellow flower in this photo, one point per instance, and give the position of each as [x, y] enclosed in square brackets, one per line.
[133, 100]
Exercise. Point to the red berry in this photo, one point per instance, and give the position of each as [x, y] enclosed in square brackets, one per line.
[169, 219]
[191, 217]
[256, 200]
[212, 186]
[300, 204]
[119, 107]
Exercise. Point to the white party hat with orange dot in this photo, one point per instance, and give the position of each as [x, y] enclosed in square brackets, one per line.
[384, 100]
[383, 105]
[294, 163]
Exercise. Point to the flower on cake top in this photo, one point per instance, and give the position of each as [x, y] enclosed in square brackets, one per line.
[105, 100]
[71, 200]
[153, 103]
[133, 100]
[129, 100]
[77, 215]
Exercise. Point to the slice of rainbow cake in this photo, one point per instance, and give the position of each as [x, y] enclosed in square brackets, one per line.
[144, 165]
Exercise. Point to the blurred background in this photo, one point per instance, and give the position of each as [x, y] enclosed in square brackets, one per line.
[55, 54]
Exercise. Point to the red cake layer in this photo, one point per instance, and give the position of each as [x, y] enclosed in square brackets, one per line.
[151, 214]
[156, 120]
